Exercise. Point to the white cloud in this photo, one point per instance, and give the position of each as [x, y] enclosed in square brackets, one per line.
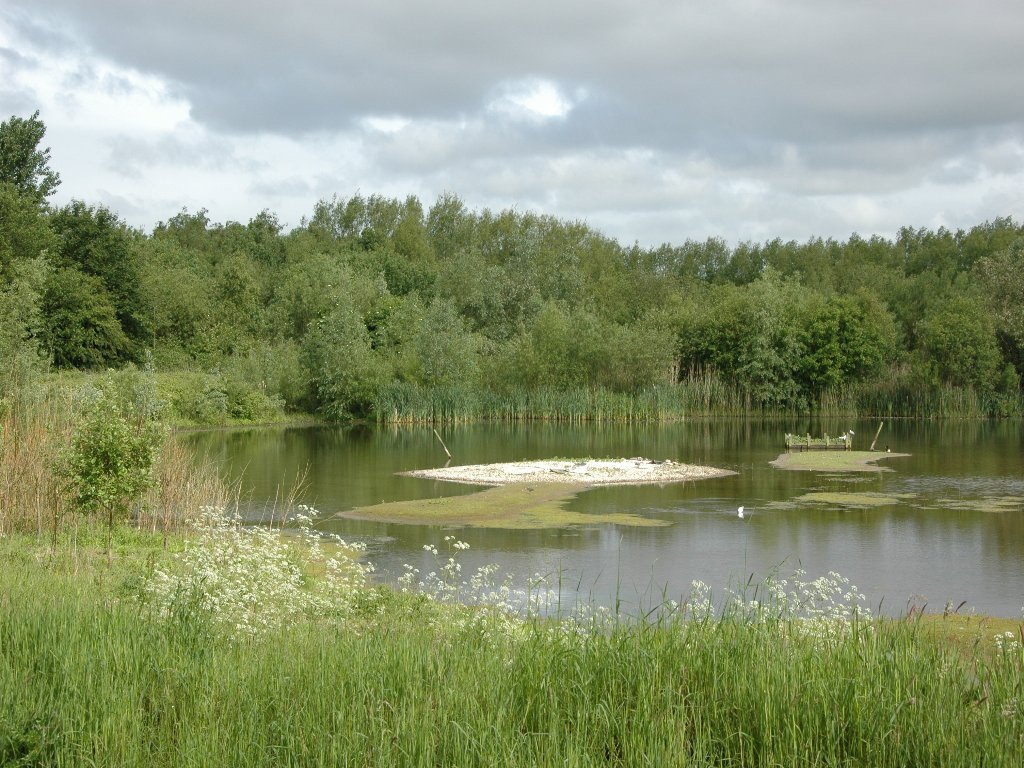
[533, 99]
[654, 122]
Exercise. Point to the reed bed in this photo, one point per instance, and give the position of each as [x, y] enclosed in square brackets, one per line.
[704, 395]
[35, 425]
[90, 679]
[701, 394]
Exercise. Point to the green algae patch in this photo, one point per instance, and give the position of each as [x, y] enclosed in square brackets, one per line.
[834, 461]
[855, 499]
[994, 504]
[517, 506]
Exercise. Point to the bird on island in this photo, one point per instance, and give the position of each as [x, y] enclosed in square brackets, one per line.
[739, 513]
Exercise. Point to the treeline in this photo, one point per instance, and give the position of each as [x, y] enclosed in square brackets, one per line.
[378, 307]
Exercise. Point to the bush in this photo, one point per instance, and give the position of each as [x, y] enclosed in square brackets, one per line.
[108, 464]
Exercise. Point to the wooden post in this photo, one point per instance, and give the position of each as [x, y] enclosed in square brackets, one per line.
[881, 424]
[442, 444]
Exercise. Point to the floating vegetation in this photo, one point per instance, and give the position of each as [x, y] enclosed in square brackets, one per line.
[835, 461]
[851, 499]
[989, 504]
[520, 506]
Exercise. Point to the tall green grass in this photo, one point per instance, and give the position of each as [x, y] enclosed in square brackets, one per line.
[898, 395]
[89, 679]
[405, 403]
[700, 395]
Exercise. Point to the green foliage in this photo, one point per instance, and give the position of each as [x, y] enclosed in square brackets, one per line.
[23, 164]
[338, 361]
[310, 288]
[108, 463]
[25, 232]
[1001, 275]
[80, 325]
[501, 301]
[844, 338]
[21, 324]
[179, 303]
[958, 344]
[445, 350]
[94, 241]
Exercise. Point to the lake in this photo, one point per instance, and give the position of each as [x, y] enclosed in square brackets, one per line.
[946, 526]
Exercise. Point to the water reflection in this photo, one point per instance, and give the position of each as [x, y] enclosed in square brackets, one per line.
[928, 543]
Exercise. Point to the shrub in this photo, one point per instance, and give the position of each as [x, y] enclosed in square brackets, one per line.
[108, 464]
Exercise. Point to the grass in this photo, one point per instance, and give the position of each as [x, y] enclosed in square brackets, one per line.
[90, 678]
[516, 505]
[834, 461]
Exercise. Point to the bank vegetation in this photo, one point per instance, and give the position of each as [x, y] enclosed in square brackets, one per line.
[400, 311]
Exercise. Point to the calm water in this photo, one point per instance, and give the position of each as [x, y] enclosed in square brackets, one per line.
[941, 541]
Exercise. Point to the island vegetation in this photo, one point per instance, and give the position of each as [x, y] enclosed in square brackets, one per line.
[141, 623]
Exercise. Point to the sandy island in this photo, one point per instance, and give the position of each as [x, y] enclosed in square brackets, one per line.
[584, 472]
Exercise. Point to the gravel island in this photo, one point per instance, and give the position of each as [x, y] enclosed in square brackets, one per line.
[584, 472]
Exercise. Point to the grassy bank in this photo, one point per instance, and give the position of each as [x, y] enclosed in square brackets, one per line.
[91, 675]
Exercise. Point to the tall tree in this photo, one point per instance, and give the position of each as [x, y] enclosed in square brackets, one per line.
[22, 163]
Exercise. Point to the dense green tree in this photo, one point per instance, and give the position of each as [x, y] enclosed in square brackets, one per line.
[178, 300]
[450, 226]
[446, 350]
[21, 322]
[340, 365]
[80, 325]
[23, 164]
[1001, 275]
[189, 230]
[844, 338]
[26, 180]
[25, 231]
[957, 343]
[94, 241]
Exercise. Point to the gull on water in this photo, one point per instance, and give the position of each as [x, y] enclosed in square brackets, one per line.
[739, 513]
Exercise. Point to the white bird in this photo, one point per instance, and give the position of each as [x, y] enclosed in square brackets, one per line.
[739, 513]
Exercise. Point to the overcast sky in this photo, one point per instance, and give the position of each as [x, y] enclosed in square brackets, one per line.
[653, 120]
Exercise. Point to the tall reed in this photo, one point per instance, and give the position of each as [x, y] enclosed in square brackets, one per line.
[35, 425]
[702, 394]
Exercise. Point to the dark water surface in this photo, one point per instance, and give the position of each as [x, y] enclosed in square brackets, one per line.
[954, 530]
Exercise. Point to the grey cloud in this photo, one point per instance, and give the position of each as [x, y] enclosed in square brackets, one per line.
[672, 69]
[789, 117]
[134, 158]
